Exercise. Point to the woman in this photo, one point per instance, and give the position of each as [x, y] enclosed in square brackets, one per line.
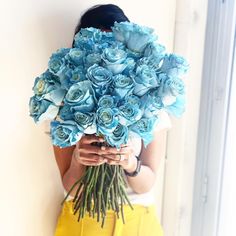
[73, 160]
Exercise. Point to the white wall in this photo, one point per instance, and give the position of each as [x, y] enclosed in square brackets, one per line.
[182, 139]
[31, 190]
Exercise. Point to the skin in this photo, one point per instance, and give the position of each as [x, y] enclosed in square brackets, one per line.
[85, 154]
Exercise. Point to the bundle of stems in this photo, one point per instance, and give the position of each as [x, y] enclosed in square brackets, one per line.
[101, 188]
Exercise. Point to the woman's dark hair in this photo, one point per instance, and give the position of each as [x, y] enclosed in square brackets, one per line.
[101, 17]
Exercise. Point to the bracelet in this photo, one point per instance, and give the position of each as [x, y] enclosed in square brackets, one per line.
[135, 173]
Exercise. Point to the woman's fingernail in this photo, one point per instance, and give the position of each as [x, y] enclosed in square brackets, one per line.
[103, 148]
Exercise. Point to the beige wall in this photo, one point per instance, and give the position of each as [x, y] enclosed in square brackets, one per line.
[30, 31]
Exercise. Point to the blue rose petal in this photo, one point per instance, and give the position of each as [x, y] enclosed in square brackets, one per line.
[41, 109]
[65, 134]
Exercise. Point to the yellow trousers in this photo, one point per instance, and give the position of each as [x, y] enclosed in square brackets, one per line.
[141, 221]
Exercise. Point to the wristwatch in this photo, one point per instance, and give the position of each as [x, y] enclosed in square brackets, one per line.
[137, 168]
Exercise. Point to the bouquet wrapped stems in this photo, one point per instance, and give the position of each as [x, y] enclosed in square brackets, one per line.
[101, 188]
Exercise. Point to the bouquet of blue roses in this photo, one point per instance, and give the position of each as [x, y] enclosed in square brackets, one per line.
[112, 84]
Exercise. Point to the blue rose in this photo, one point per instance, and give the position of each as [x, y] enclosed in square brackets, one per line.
[178, 107]
[122, 85]
[107, 41]
[84, 119]
[70, 75]
[122, 30]
[65, 112]
[65, 134]
[65, 75]
[92, 58]
[108, 37]
[84, 44]
[140, 37]
[107, 120]
[153, 63]
[129, 114]
[133, 55]
[118, 45]
[134, 36]
[152, 103]
[90, 32]
[118, 137]
[80, 96]
[170, 86]
[88, 39]
[45, 83]
[114, 60]
[57, 60]
[174, 65]
[145, 78]
[133, 100]
[41, 109]
[144, 129]
[75, 56]
[154, 50]
[78, 75]
[130, 66]
[100, 78]
[106, 101]
[47, 86]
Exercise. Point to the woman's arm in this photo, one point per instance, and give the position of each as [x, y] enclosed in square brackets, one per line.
[74, 172]
[70, 170]
[63, 158]
[150, 157]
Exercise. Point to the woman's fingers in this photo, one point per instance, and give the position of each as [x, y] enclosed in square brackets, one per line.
[87, 148]
[88, 139]
[91, 159]
[110, 150]
[103, 150]
[89, 154]
[90, 163]
[113, 162]
[117, 157]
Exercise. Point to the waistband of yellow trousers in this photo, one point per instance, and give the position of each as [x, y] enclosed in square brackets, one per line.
[137, 208]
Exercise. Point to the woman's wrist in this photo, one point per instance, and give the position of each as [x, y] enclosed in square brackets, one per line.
[131, 166]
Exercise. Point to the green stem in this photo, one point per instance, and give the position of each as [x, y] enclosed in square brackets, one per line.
[122, 210]
[80, 199]
[112, 198]
[126, 197]
[103, 168]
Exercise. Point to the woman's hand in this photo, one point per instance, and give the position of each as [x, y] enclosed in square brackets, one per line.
[87, 152]
[123, 156]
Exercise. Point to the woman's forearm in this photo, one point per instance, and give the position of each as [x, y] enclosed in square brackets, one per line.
[73, 174]
[144, 181]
